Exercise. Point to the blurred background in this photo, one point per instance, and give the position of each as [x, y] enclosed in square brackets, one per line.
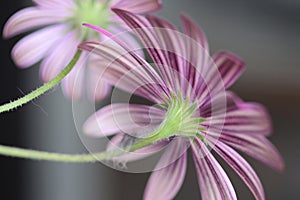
[265, 33]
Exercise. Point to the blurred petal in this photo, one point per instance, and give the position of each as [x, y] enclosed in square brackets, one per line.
[55, 3]
[30, 18]
[121, 117]
[73, 83]
[140, 6]
[60, 55]
[98, 89]
[213, 181]
[257, 147]
[34, 47]
[165, 182]
[242, 168]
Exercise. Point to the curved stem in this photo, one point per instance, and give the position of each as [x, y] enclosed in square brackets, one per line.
[44, 88]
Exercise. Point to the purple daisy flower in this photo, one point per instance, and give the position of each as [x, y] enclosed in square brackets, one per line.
[192, 109]
[62, 31]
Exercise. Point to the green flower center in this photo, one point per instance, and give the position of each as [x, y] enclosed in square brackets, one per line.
[90, 12]
[180, 120]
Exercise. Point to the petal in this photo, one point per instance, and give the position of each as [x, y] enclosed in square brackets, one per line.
[213, 181]
[73, 83]
[230, 67]
[121, 117]
[154, 43]
[197, 51]
[248, 118]
[30, 18]
[165, 182]
[58, 4]
[98, 89]
[33, 47]
[257, 147]
[126, 70]
[139, 7]
[122, 141]
[60, 55]
[242, 168]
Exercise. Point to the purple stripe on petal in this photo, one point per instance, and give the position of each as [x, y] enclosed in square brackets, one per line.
[164, 183]
[140, 6]
[213, 181]
[242, 168]
[257, 147]
[33, 47]
[30, 18]
[126, 118]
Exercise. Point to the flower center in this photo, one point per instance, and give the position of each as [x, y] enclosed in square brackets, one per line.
[181, 120]
[90, 12]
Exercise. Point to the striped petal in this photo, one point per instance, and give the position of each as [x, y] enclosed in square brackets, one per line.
[248, 118]
[34, 47]
[230, 67]
[242, 168]
[59, 56]
[116, 118]
[139, 7]
[30, 18]
[213, 181]
[164, 44]
[122, 141]
[165, 182]
[257, 147]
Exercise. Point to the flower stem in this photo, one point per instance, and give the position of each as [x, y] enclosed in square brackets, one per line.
[44, 88]
[57, 157]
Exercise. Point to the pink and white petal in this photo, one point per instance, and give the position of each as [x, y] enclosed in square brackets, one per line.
[146, 33]
[139, 7]
[127, 70]
[248, 118]
[230, 67]
[34, 47]
[30, 18]
[60, 55]
[56, 4]
[242, 168]
[165, 182]
[73, 83]
[122, 117]
[257, 147]
[119, 142]
[98, 89]
[213, 181]
[197, 51]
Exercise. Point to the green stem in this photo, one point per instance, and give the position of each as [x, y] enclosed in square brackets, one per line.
[57, 157]
[41, 90]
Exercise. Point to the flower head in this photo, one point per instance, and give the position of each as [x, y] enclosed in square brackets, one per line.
[60, 23]
[192, 109]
